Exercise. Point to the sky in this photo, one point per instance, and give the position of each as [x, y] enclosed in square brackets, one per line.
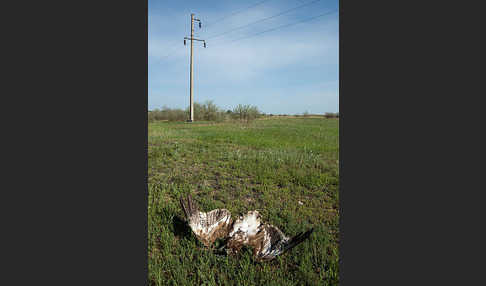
[291, 70]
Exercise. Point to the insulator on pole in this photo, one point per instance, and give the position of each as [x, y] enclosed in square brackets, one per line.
[184, 42]
[199, 24]
[204, 44]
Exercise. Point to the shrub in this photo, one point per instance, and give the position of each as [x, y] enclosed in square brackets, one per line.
[331, 115]
[245, 112]
[167, 114]
[208, 111]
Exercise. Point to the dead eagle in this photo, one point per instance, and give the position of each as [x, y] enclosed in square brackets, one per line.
[267, 240]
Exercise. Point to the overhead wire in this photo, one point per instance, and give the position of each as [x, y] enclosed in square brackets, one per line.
[234, 13]
[284, 26]
[262, 20]
[171, 52]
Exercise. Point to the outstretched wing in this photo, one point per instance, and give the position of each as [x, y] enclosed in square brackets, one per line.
[273, 242]
[267, 240]
[206, 226]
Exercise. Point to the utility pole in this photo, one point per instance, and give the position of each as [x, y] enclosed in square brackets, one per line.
[191, 107]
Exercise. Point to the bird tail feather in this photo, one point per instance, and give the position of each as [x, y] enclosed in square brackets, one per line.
[297, 239]
[188, 206]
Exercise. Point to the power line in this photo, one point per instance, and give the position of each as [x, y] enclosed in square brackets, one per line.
[265, 31]
[264, 19]
[171, 49]
[236, 12]
[171, 52]
[284, 26]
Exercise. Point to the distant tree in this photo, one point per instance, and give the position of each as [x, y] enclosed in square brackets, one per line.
[331, 115]
[246, 112]
[207, 111]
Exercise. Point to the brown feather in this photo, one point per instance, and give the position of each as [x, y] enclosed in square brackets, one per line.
[266, 240]
[206, 226]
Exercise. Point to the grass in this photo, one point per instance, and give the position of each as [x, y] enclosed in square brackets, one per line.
[269, 165]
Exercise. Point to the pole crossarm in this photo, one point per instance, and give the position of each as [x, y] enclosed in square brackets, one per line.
[186, 38]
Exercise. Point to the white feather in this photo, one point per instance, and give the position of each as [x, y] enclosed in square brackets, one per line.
[249, 224]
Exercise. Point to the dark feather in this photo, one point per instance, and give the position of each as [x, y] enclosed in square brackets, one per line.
[299, 238]
[189, 207]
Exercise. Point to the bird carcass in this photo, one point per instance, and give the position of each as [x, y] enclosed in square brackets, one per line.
[266, 240]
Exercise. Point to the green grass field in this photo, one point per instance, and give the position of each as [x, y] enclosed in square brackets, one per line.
[269, 165]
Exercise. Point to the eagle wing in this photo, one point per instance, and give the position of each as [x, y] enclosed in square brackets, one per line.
[207, 226]
[267, 240]
[274, 242]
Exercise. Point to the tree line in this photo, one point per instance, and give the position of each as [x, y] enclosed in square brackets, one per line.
[207, 111]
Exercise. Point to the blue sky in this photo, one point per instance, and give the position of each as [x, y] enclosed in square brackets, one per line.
[287, 71]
